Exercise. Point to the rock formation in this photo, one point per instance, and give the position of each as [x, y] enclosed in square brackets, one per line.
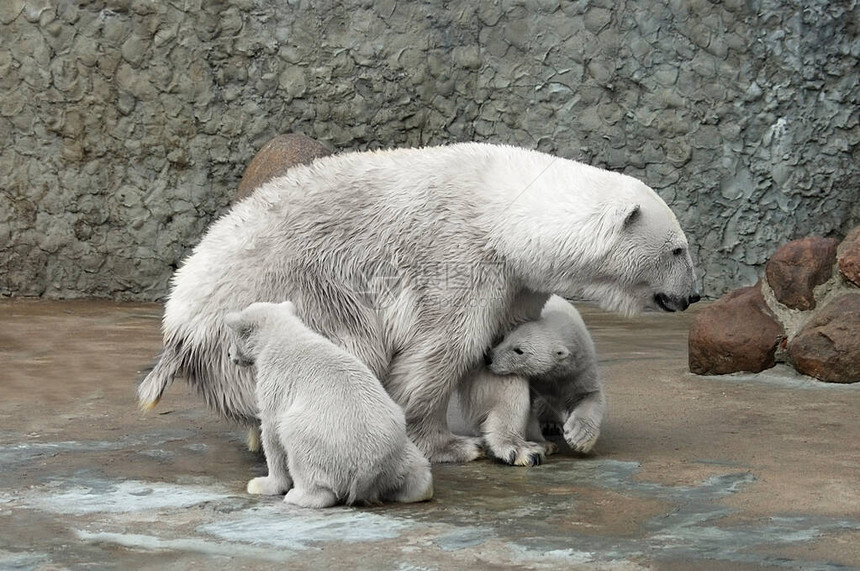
[276, 157]
[806, 312]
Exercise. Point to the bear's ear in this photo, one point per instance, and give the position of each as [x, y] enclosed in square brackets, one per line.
[289, 306]
[561, 352]
[630, 215]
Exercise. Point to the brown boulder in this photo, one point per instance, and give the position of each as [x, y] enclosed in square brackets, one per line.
[797, 267]
[736, 333]
[828, 346]
[849, 257]
[276, 157]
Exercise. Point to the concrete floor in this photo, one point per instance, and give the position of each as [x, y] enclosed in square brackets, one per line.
[735, 472]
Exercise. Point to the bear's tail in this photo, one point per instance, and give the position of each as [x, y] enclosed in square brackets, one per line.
[158, 378]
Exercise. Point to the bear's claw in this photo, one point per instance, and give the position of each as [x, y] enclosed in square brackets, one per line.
[526, 454]
[551, 429]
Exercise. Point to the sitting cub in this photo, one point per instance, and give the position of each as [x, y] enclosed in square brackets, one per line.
[543, 372]
[330, 432]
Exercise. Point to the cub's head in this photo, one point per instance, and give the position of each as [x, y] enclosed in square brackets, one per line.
[247, 329]
[529, 350]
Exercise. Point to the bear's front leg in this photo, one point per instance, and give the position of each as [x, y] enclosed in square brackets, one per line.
[278, 481]
[422, 384]
[582, 427]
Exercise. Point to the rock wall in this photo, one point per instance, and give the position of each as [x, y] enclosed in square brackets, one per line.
[126, 124]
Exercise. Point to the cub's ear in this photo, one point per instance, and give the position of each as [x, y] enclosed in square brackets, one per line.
[234, 321]
[630, 215]
[289, 306]
[561, 352]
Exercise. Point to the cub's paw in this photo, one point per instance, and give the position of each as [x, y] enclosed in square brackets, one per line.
[418, 488]
[581, 434]
[551, 447]
[451, 448]
[268, 486]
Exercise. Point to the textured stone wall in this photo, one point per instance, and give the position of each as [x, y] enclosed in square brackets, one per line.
[125, 125]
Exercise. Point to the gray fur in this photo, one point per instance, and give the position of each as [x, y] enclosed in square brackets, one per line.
[515, 222]
[544, 372]
[330, 432]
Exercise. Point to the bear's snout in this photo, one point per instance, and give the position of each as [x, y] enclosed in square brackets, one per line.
[675, 303]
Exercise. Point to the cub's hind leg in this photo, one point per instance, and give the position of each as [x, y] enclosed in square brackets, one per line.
[417, 485]
[311, 497]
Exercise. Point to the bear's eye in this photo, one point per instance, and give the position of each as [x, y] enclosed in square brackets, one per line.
[518, 351]
[677, 251]
[246, 332]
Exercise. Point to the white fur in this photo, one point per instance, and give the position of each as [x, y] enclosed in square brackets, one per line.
[542, 373]
[498, 408]
[330, 432]
[478, 237]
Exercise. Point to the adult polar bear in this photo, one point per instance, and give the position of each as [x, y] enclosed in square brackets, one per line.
[523, 223]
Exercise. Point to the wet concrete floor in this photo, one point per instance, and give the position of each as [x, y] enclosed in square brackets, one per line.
[738, 472]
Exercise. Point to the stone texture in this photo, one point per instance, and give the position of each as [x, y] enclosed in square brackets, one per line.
[130, 123]
[797, 267]
[276, 157]
[736, 333]
[849, 257]
[828, 347]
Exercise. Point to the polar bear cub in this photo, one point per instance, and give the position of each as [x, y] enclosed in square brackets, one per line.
[330, 432]
[543, 372]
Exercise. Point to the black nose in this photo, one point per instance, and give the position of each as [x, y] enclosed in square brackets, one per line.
[694, 298]
[488, 359]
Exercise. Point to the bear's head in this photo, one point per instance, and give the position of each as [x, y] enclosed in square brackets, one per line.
[583, 232]
[247, 328]
[530, 350]
[648, 263]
